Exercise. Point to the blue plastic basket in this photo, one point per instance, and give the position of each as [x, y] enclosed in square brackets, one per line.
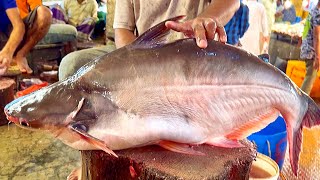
[272, 140]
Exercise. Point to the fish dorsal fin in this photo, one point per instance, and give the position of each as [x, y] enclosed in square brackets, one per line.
[154, 36]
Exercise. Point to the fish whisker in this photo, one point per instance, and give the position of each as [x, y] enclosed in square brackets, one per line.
[9, 124]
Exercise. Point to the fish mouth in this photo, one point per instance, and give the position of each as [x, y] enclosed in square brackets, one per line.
[18, 121]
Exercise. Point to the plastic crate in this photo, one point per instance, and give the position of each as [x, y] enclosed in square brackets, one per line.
[296, 70]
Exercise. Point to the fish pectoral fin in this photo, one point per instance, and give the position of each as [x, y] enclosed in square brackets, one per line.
[224, 142]
[179, 147]
[73, 114]
[92, 140]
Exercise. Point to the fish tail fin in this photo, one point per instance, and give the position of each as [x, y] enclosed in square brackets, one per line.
[310, 119]
[312, 116]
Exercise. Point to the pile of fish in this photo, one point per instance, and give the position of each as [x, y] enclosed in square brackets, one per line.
[175, 95]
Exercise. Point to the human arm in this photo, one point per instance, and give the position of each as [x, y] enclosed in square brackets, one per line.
[65, 10]
[16, 36]
[316, 43]
[123, 37]
[265, 30]
[124, 23]
[94, 14]
[209, 22]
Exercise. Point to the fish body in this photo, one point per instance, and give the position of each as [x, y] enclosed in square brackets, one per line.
[172, 95]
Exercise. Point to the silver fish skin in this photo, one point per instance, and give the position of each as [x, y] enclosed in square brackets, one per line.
[168, 94]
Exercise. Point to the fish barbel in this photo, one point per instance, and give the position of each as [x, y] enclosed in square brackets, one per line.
[173, 95]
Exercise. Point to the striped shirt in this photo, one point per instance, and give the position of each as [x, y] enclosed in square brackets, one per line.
[238, 25]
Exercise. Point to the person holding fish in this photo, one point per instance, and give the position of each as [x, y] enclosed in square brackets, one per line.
[18, 36]
[204, 20]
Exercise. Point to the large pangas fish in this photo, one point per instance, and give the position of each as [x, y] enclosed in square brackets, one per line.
[172, 95]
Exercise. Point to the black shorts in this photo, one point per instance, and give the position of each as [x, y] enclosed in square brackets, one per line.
[28, 22]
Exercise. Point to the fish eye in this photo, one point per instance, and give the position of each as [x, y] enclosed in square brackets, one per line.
[24, 124]
[81, 127]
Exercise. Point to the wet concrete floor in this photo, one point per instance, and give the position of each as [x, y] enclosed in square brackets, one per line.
[34, 155]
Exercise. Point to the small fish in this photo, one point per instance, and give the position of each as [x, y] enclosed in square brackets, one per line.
[175, 95]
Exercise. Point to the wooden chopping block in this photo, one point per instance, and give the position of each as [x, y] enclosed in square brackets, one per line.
[156, 163]
[6, 96]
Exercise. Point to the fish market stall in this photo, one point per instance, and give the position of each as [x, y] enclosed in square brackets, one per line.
[285, 42]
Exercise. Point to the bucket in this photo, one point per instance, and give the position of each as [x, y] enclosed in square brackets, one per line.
[272, 140]
[264, 168]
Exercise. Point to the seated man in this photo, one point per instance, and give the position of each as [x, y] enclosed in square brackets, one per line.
[81, 14]
[19, 36]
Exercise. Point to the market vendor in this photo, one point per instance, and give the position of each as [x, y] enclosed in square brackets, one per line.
[206, 18]
[310, 49]
[18, 36]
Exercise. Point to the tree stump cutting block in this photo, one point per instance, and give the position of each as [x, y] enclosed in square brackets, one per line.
[156, 163]
[6, 96]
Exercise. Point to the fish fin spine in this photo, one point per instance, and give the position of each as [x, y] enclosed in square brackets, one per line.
[154, 36]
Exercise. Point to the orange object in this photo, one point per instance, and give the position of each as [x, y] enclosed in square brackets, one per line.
[296, 70]
[25, 5]
[31, 89]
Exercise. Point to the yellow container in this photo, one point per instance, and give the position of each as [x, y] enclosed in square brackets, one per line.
[264, 168]
[296, 70]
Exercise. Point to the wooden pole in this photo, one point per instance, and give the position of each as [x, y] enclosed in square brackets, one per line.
[156, 163]
[6, 96]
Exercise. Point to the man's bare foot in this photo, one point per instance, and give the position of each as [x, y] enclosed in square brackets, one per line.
[4, 64]
[3, 71]
[75, 174]
[23, 65]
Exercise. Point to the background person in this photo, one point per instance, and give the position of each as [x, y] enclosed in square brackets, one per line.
[82, 14]
[310, 50]
[258, 21]
[19, 36]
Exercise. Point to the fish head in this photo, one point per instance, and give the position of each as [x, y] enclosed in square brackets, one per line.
[45, 108]
[79, 103]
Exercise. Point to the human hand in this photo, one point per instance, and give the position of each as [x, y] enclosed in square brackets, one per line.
[200, 28]
[316, 63]
[5, 60]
